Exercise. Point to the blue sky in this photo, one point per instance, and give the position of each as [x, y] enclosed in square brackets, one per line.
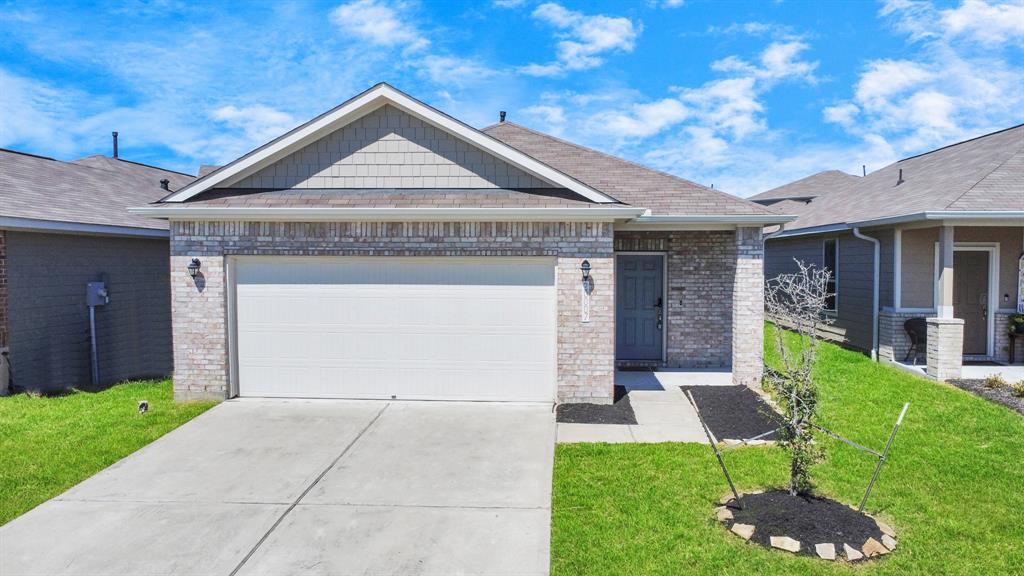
[744, 95]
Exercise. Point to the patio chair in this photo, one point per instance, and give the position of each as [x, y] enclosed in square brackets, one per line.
[917, 331]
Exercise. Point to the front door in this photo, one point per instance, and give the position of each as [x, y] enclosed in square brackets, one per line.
[970, 298]
[639, 303]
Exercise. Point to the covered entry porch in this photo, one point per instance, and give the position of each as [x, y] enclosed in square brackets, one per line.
[958, 285]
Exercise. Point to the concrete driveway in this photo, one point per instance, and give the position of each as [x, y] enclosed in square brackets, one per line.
[310, 487]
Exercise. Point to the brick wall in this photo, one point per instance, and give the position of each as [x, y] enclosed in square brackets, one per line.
[585, 350]
[945, 347]
[388, 148]
[714, 314]
[893, 342]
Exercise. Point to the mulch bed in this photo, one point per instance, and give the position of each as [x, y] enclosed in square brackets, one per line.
[1003, 395]
[734, 412]
[620, 412]
[809, 520]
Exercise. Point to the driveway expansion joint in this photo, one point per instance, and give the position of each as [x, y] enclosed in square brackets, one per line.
[312, 484]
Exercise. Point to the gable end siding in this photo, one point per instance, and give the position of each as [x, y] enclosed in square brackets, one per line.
[389, 148]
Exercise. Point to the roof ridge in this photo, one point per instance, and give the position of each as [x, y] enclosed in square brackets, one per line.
[125, 160]
[1000, 131]
[986, 175]
[630, 162]
[20, 153]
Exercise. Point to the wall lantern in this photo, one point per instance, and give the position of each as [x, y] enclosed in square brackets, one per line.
[585, 268]
[193, 267]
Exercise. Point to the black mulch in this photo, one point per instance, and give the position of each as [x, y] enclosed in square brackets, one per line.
[734, 412]
[621, 412]
[1002, 395]
[811, 520]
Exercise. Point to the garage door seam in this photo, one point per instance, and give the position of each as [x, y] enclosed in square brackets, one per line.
[307, 490]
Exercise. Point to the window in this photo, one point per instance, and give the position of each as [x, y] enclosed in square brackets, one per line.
[831, 262]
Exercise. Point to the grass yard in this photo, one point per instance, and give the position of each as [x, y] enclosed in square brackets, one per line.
[48, 445]
[953, 488]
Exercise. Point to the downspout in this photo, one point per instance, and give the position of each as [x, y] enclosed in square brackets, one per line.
[874, 291]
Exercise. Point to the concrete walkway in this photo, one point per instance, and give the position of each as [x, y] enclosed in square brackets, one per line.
[663, 414]
[310, 487]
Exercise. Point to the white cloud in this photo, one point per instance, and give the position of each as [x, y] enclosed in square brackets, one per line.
[643, 120]
[752, 28]
[258, 123]
[452, 70]
[584, 39]
[989, 24]
[553, 117]
[379, 23]
[508, 3]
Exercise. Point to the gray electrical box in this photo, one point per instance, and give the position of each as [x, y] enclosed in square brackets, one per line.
[96, 294]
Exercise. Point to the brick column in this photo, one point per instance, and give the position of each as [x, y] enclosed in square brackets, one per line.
[945, 347]
[198, 320]
[748, 308]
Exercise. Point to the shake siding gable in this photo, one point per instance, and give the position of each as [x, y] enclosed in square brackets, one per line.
[389, 148]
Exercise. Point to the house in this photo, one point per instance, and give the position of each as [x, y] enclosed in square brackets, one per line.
[62, 226]
[387, 250]
[936, 236]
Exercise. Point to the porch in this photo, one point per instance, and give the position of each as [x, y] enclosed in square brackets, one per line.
[962, 284]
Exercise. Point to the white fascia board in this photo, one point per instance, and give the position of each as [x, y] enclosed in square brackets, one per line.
[702, 222]
[943, 215]
[359, 106]
[808, 231]
[55, 226]
[389, 214]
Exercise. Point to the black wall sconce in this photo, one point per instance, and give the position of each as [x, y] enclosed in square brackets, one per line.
[193, 267]
[585, 268]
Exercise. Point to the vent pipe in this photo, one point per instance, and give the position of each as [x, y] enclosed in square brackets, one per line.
[899, 179]
[165, 184]
[501, 116]
[115, 143]
[863, 169]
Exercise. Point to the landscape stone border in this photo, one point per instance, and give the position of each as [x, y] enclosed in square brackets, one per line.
[869, 549]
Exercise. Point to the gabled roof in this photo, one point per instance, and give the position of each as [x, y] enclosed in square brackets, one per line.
[983, 174]
[630, 183]
[95, 191]
[375, 97]
[806, 188]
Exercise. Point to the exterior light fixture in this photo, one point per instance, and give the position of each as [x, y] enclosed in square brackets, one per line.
[585, 268]
[193, 267]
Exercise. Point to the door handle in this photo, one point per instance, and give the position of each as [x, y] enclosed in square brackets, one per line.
[659, 306]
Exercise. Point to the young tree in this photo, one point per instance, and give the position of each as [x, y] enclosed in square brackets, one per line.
[798, 302]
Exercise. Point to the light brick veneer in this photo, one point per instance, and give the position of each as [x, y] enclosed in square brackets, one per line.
[715, 312]
[893, 342]
[945, 347]
[585, 350]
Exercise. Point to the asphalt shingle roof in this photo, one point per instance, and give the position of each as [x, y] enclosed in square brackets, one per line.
[392, 198]
[623, 180]
[981, 174]
[92, 190]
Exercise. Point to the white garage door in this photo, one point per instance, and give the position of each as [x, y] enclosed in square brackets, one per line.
[418, 328]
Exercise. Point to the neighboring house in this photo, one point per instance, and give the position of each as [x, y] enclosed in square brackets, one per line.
[63, 225]
[949, 230]
[387, 250]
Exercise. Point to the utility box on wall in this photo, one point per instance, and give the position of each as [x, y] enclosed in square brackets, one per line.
[96, 294]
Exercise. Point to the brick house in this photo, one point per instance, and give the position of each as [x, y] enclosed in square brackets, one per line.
[937, 236]
[387, 250]
[63, 225]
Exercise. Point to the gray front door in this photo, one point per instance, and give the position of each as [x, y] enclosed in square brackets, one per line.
[970, 298]
[639, 304]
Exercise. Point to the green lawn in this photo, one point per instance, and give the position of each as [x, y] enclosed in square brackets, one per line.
[953, 488]
[48, 445]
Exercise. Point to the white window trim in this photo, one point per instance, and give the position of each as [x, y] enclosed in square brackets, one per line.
[835, 273]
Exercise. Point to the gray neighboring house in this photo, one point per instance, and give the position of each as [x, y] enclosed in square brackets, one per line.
[63, 225]
[945, 230]
[387, 250]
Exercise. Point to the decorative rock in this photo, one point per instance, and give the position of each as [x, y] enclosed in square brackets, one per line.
[744, 531]
[852, 554]
[886, 529]
[874, 548]
[888, 541]
[726, 499]
[785, 543]
[723, 513]
[826, 551]
[732, 442]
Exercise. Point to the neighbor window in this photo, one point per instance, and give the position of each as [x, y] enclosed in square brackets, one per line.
[831, 262]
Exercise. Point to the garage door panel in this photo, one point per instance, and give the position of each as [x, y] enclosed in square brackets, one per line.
[445, 328]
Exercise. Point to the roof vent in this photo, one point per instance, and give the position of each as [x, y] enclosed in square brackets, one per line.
[165, 184]
[115, 143]
[501, 116]
[899, 179]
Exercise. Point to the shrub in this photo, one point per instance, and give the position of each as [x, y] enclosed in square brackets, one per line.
[1017, 389]
[994, 382]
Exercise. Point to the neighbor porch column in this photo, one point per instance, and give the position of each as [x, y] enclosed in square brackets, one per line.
[945, 333]
[748, 308]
